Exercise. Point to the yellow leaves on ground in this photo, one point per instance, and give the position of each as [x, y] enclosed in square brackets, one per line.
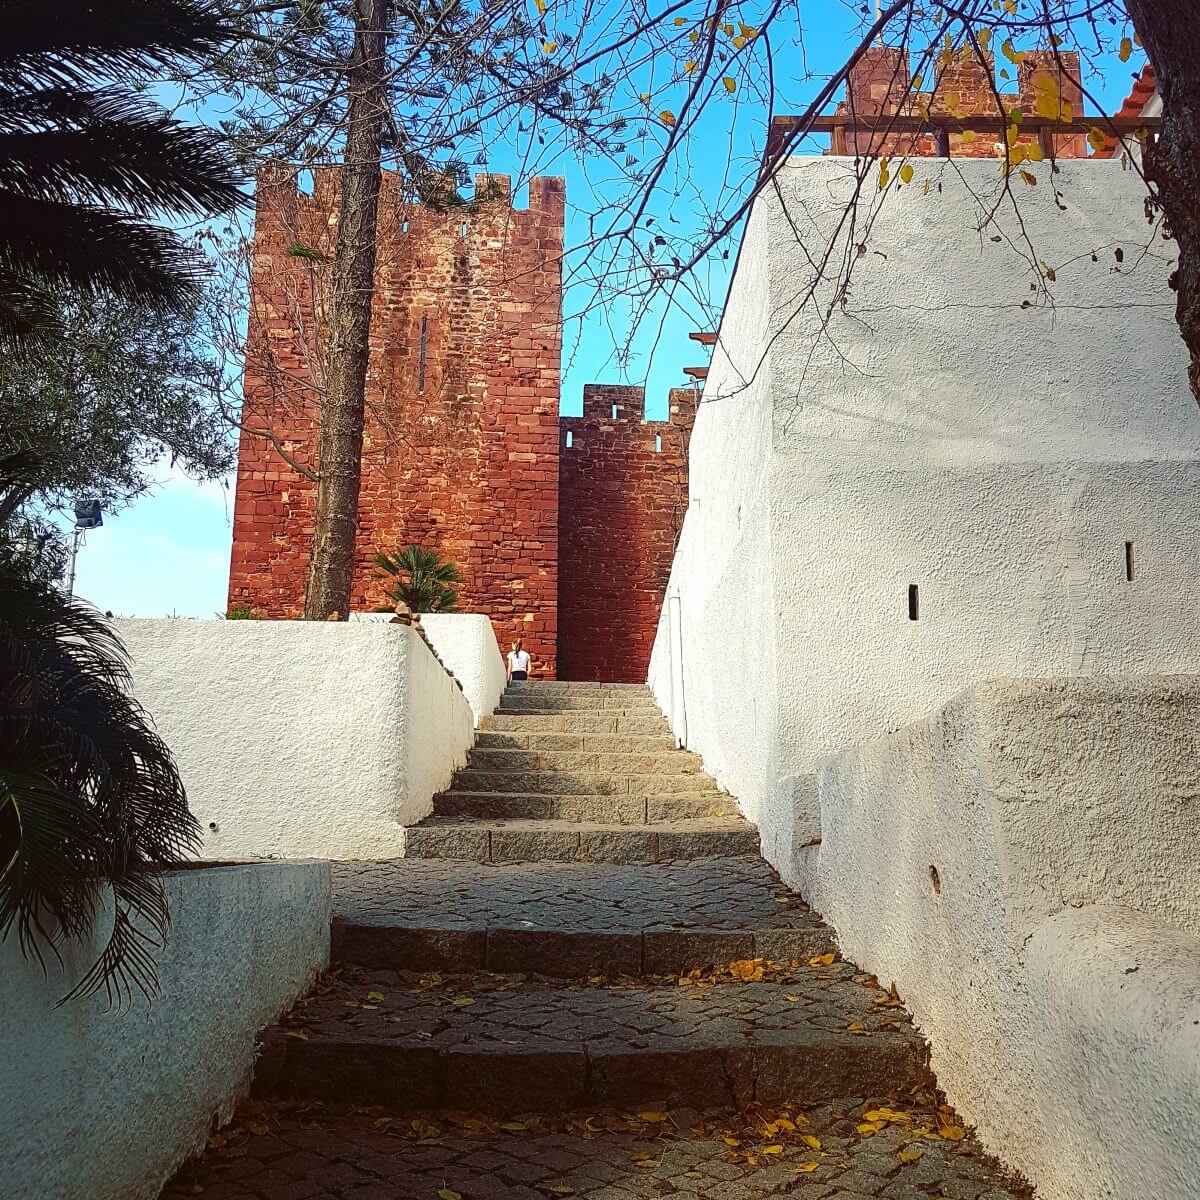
[374, 997]
[654, 1118]
[810, 1141]
[462, 1001]
[827, 960]
[808, 1166]
[748, 970]
[953, 1133]
[298, 1034]
[447, 1194]
[909, 1154]
[770, 1149]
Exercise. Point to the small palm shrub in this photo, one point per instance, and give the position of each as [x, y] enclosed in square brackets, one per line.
[91, 804]
[425, 580]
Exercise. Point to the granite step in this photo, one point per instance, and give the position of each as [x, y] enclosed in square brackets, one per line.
[613, 808]
[639, 700]
[669, 762]
[514, 840]
[614, 721]
[581, 783]
[517, 1044]
[600, 743]
[568, 919]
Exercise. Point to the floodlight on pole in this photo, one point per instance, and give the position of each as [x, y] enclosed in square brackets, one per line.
[88, 515]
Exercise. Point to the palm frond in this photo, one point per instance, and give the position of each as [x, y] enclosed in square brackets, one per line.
[91, 804]
[85, 37]
[423, 579]
[88, 248]
[110, 149]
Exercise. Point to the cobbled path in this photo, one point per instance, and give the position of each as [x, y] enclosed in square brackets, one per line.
[732, 893]
[277, 1153]
[583, 981]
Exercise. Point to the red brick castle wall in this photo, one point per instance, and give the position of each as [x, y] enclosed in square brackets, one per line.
[623, 488]
[461, 450]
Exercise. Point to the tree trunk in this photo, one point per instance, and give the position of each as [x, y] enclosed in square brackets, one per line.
[351, 290]
[1170, 32]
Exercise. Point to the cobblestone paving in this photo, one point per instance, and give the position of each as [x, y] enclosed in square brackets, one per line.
[312, 1153]
[722, 893]
[516, 1010]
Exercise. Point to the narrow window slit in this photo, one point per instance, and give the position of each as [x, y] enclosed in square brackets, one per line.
[570, 439]
[463, 229]
[421, 360]
[914, 603]
[614, 412]
[1128, 562]
[658, 443]
[403, 226]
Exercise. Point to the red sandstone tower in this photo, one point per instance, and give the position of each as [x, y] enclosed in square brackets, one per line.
[623, 492]
[462, 437]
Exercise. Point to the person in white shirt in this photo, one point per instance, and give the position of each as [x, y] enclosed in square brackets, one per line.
[518, 662]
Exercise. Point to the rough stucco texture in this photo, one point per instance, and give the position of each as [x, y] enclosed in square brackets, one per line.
[461, 445]
[300, 739]
[105, 1104]
[465, 644]
[1024, 866]
[933, 433]
[622, 493]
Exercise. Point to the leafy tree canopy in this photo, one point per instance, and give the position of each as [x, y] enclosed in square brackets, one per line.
[96, 413]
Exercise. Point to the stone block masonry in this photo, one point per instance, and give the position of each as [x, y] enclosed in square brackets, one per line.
[622, 497]
[462, 437]
[961, 87]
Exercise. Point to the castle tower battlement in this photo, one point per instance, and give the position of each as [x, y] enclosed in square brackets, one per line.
[462, 436]
[623, 488]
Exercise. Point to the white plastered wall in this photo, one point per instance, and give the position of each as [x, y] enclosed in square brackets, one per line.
[466, 645]
[300, 739]
[932, 431]
[106, 1103]
[1024, 866]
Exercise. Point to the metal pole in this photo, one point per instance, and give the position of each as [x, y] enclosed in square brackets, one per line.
[76, 537]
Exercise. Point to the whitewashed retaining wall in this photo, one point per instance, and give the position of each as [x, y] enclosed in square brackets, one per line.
[106, 1104]
[466, 645]
[1025, 867]
[301, 739]
[931, 432]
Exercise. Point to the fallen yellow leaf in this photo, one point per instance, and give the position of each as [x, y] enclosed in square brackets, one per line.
[953, 1133]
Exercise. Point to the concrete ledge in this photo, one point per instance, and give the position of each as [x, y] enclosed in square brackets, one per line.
[301, 739]
[106, 1104]
[952, 849]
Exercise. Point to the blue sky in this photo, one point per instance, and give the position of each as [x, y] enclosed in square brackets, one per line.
[169, 552]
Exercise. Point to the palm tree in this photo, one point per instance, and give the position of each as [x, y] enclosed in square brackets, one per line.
[424, 580]
[84, 160]
[91, 805]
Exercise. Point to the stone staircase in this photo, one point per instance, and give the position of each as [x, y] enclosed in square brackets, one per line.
[579, 772]
[584, 925]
